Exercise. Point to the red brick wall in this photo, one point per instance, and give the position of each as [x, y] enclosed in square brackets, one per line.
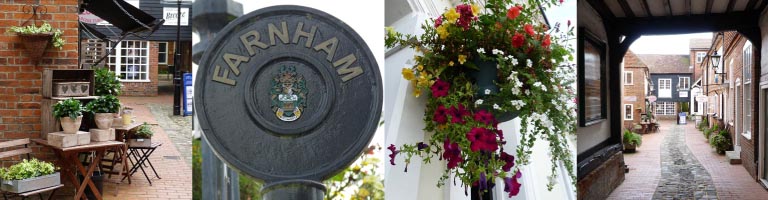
[145, 88]
[20, 79]
[637, 89]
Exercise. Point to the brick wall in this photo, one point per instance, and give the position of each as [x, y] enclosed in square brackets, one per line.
[145, 88]
[636, 90]
[20, 79]
[599, 183]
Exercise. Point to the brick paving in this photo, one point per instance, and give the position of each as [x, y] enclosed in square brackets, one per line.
[645, 167]
[172, 165]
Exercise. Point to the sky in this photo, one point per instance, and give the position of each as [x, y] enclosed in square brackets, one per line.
[665, 44]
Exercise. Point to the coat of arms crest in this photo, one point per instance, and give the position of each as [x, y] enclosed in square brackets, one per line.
[288, 94]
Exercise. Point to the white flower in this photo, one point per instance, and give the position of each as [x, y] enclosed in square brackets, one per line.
[487, 91]
[497, 52]
[496, 106]
[481, 50]
[527, 92]
[529, 63]
[514, 61]
[478, 102]
[517, 104]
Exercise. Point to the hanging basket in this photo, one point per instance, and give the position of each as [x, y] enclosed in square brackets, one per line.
[35, 44]
[484, 78]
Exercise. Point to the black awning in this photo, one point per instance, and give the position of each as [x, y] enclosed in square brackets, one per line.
[87, 31]
[123, 15]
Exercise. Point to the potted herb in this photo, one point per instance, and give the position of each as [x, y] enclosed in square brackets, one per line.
[104, 108]
[36, 39]
[631, 141]
[479, 66]
[721, 141]
[29, 175]
[142, 137]
[70, 114]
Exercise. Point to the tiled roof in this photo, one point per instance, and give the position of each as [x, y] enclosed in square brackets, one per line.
[700, 43]
[666, 64]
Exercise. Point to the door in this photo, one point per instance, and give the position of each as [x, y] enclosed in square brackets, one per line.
[665, 88]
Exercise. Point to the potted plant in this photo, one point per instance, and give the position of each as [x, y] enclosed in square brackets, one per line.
[29, 175]
[106, 82]
[631, 141]
[721, 141]
[36, 39]
[142, 137]
[104, 108]
[70, 114]
[479, 66]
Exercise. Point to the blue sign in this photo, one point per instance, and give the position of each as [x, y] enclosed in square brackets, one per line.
[188, 94]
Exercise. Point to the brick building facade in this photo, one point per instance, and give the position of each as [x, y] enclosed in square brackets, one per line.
[20, 78]
[636, 79]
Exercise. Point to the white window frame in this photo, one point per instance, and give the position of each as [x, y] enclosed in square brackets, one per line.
[115, 61]
[662, 108]
[747, 90]
[159, 51]
[668, 87]
[631, 79]
[630, 115]
[700, 56]
[687, 85]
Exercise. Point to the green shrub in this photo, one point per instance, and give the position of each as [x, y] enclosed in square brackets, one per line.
[68, 108]
[721, 141]
[631, 138]
[57, 40]
[27, 169]
[703, 123]
[104, 104]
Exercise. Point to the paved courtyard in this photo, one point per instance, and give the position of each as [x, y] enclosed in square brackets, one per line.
[678, 163]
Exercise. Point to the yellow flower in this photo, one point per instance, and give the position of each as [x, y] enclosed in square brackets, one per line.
[416, 92]
[462, 59]
[442, 31]
[408, 74]
[420, 67]
[475, 9]
[451, 16]
[450, 63]
[423, 80]
[362, 192]
[391, 31]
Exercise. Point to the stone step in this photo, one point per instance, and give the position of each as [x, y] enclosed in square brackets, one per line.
[734, 157]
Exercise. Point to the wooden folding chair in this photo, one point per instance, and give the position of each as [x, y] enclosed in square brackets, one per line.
[13, 148]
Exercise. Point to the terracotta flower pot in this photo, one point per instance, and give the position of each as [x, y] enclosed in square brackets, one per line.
[71, 126]
[104, 120]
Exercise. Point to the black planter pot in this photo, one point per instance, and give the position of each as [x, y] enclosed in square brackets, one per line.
[484, 78]
[98, 180]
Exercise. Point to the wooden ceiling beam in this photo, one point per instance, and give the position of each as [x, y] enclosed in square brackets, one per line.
[627, 10]
[731, 3]
[709, 7]
[602, 9]
[669, 8]
[751, 5]
[688, 7]
[647, 8]
[686, 24]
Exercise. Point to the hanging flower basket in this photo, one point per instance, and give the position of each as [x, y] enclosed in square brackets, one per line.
[479, 66]
[35, 44]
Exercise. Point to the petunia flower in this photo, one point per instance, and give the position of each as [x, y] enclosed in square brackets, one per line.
[421, 146]
[392, 154]
[452, 153]
[439, 21]
[509, 161]
[518, 40]
[511, 185]
[513, 12]
[484, 116]
[440, 115]
[440, 88]
[457, 114]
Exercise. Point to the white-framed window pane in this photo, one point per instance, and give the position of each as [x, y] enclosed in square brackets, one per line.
[684, 82]
[130, 60]
[665, 108]
[628, 78]
[700, 56]
[665, 88]
[628, 111]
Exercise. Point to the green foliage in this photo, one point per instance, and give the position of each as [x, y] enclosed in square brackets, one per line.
[145, 131]
[359, 180]
[197, 170]
[57, 40]
[104, 104]
[708, 132]
[683, 107]
[703, 124]
[68, 108]
[27, 169]
[106, 82]
[721, 141]
[631, 138]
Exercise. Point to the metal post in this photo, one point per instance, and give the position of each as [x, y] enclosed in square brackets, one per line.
[219, 182]
[176, 63]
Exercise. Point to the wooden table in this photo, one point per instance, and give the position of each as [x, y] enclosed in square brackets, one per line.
[70, 164]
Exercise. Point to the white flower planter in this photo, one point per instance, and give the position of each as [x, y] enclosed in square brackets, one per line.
[40, 182]
[69, 125]
[104, 120]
